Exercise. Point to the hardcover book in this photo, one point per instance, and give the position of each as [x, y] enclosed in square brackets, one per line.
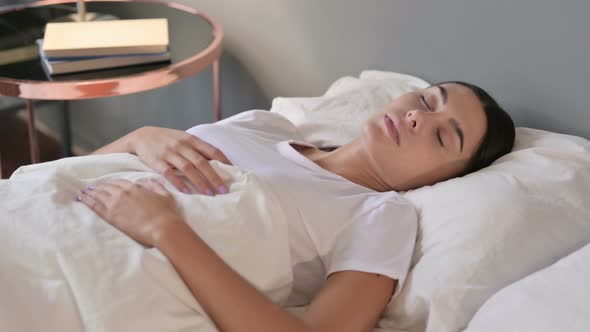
[96, 38]
[66, 65]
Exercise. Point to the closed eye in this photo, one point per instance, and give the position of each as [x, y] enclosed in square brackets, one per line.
[439, 138]
[423, 100]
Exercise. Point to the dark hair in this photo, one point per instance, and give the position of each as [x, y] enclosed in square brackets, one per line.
[499, 136]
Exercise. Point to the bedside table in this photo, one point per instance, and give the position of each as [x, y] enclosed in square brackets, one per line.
[195, 43]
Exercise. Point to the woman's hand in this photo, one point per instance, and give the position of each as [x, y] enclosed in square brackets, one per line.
[166, 150]
[142, 211]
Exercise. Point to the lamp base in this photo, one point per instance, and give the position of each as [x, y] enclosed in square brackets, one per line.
[75, 17]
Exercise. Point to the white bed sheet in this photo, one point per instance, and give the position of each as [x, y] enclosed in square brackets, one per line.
[64, 269]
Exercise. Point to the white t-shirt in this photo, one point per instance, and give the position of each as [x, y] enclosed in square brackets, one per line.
[334, 224]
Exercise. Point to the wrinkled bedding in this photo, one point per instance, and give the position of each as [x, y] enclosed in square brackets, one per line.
[62, 268]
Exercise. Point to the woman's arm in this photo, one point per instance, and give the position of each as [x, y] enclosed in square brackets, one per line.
[348, 301]
[233, 303]
[168, 150]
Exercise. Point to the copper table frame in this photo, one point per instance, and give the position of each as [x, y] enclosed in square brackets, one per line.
[87, 89]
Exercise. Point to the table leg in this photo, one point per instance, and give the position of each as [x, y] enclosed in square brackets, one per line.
[66, 131]
[216, 90]
[33, 142]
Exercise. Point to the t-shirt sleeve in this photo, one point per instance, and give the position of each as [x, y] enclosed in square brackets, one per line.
[380, 241]
[260, 123]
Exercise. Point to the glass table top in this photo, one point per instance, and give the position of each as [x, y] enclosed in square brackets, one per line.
[20, 27]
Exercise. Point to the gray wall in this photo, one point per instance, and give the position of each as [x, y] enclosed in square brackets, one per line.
[530, 54]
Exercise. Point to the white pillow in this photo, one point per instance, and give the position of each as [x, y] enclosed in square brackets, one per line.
[554, 299]
[478, 233]
[482, 232]
[336, 118]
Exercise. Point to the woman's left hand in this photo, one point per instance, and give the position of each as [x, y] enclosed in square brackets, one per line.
[142, 211]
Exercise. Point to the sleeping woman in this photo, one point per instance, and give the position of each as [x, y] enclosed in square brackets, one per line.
[351, 235]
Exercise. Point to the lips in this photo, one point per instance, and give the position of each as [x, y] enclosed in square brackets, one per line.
[393, 133]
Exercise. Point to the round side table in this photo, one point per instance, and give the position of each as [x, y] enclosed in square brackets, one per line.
[195, 43]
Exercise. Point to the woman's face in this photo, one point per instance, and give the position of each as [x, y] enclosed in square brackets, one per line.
[425, 136]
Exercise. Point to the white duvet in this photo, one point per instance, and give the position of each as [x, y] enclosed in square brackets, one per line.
[64, 269]
[553, 299]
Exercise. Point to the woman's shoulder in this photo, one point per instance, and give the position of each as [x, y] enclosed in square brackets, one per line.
[259, 124]
[264, 122]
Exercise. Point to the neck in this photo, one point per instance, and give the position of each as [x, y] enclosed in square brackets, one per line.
[351, 162]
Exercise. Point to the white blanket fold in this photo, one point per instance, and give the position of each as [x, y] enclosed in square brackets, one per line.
[62, 268]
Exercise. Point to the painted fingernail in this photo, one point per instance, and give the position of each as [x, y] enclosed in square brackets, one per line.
[84, 191]
[78, 198]
[209, 192]
[186, 191]
[222, 189]
[91, 187]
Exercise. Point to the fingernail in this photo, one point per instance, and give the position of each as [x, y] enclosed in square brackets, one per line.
[209, 192]
[91, 187]
[186, 191]
[78, 199]
[222, 189]
[84, 191]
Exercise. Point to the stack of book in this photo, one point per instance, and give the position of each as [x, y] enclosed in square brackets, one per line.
[81, 46]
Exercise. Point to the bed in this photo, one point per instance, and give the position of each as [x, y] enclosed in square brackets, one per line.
[495, 247]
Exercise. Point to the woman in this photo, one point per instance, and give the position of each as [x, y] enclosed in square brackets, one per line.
[421, 138]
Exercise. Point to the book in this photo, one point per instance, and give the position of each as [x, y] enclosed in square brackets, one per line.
[18, 32]
[67, 65]
[94, 38]
[18, 54]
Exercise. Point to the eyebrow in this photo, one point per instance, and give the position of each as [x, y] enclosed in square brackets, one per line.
[443, 93]
[458, 129]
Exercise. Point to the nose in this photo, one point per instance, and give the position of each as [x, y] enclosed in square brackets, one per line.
[415, 119]
[421, 121]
